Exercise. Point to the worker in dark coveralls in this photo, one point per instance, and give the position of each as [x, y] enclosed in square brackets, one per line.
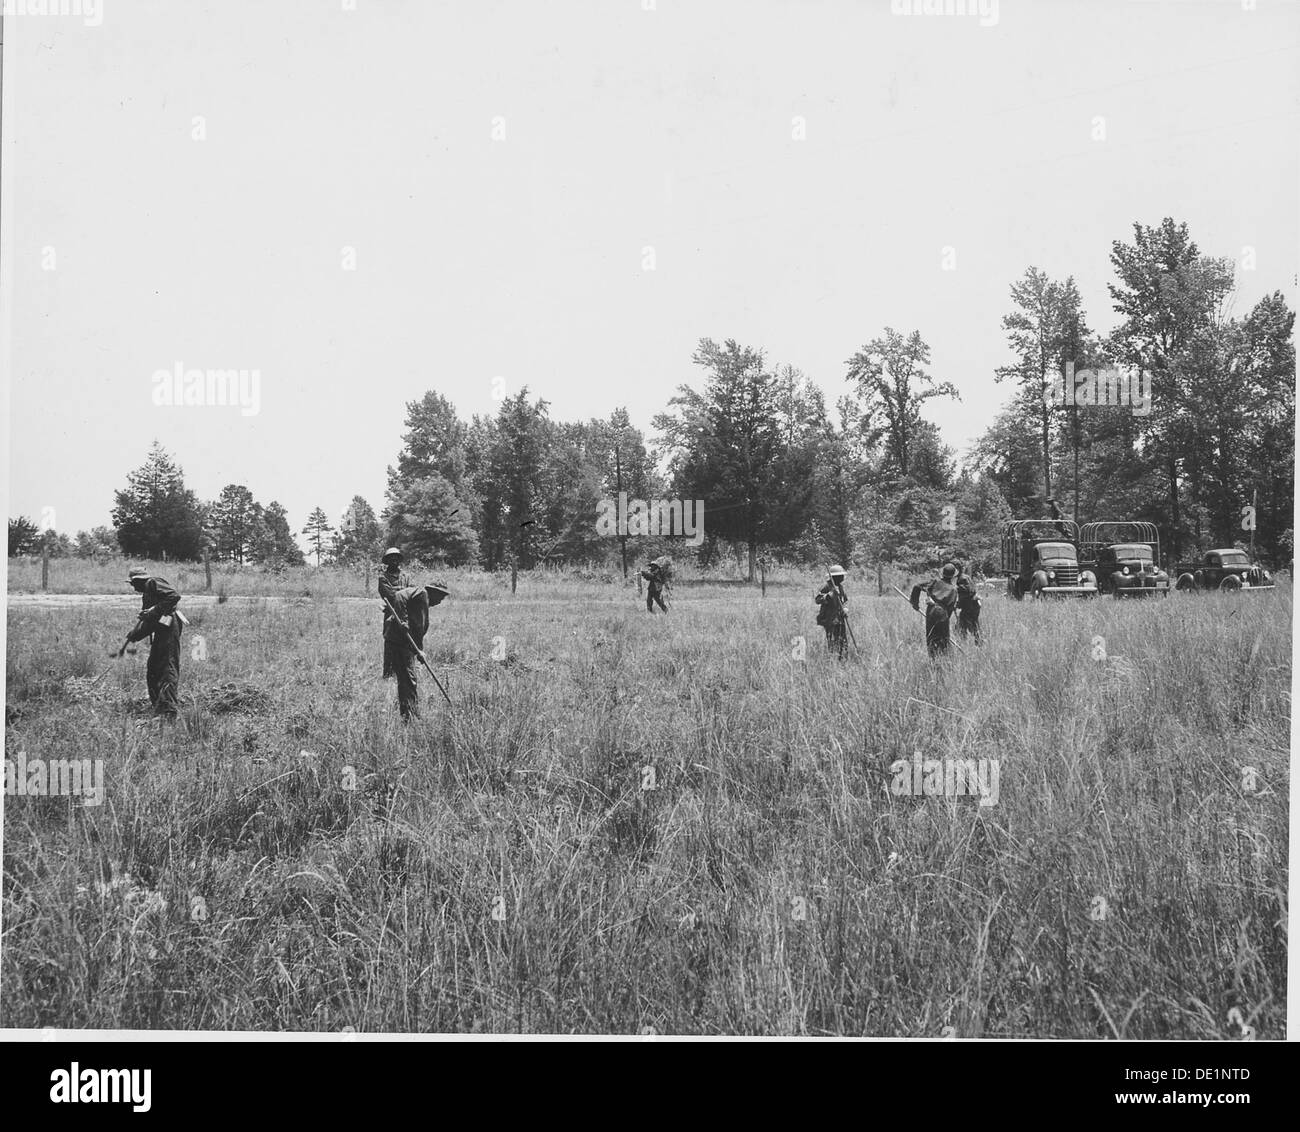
[160, 621]
[404, 634]
[391, 578]
[831, 614]
[657, 574]
[941, 604]
[968, 606]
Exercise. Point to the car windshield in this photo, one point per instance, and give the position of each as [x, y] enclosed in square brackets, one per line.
[1136, 550]
[1055, 552]
[1235, 558]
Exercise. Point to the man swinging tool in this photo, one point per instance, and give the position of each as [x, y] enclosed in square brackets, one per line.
[941, 604]
[161, 622]
[405, 626]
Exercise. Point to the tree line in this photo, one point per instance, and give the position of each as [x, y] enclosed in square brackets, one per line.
[786, 476]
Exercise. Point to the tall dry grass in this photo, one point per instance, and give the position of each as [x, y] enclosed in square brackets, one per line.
[501, 868]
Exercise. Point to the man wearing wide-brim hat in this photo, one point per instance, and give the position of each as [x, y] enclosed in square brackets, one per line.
[406, 621]
[161, 621]
[658, 573]
[391, 579]
[832, 612]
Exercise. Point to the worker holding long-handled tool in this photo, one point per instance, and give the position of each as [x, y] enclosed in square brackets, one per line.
[161, 622]
[940, 605]
[391, 579]
[833, 616]
[406, 623]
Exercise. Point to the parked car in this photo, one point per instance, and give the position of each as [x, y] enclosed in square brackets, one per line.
[1228, 568]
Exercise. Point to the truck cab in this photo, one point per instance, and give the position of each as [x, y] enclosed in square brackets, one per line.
[1124, 555]
[1040, 558]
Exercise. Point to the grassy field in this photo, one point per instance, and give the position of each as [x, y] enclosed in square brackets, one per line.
[289, 857]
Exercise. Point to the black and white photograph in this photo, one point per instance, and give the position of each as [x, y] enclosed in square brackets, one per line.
[649, 520]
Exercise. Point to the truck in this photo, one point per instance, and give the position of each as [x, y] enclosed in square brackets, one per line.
[1227, 568]
[1040, 558]
[1124, 556]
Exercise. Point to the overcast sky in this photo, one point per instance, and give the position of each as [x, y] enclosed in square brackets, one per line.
[1038, 137]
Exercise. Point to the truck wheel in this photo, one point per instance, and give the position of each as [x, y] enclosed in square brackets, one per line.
[1230, 583]
[1185, 582]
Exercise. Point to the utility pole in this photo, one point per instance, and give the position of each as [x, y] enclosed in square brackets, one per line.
[1076, 463]
[618, 480]
[1254, 521]
[1074, 401]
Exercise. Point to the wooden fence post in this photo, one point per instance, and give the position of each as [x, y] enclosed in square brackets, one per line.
[45, 567]
[207, 569]
[880, 579]
[762, 576]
